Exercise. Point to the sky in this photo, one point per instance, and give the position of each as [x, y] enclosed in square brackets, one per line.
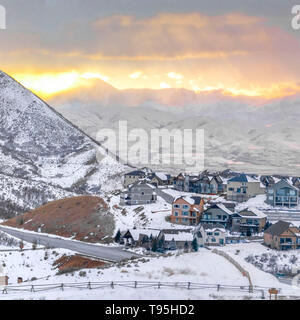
[245, 48]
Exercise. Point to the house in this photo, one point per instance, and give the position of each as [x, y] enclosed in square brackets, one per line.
[187, 210]
[159, 179]
[139, 237]
[282, 236]
[282, 193]
[208, 235]
[248, 221]
[138, 193]
[243, 187]
[134, 176]
[173, 239]
[218, 213]
[178, 182]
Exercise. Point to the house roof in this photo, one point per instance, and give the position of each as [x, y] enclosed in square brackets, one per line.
[284, 183]
[191, 200]
[278, 228]
[181, 236]
[252, 212]
[135, 173]
[135, 233]
[242, 178]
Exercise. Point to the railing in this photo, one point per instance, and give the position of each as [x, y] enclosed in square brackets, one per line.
[132, 284]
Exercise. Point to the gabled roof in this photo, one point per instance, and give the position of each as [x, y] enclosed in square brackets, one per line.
[284, 184]
[191, 200]
[252, 212]
[220, 206]
[135, 173]
[242, 178]
[278, 228]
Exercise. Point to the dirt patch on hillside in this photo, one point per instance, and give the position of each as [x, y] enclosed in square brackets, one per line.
[76, 262]
[84, 218]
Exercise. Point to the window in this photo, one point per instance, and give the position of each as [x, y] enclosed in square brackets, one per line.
[185, 206]
[185, 213]
[270, 191]
[217, 234]
[177, 206]
[238, 190]
[292, 192]
[213, 240]
[176, 213]
[271, 197]
[219, 217]
[185, 219]
[209, 233]
[231, 189]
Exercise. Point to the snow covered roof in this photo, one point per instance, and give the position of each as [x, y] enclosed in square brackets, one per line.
[162, 176]
[181, 236]
[254, 211]
[135, 233]
[243, 178]
[190, 200]
[222, 207]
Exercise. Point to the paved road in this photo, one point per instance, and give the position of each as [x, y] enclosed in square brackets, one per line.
[102, 252]
[167, 197]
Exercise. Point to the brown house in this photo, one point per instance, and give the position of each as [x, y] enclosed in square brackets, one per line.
[187, 210]
[282, 236]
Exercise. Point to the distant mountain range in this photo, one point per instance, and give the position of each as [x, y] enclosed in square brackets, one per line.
[43, 156]
[242, 133]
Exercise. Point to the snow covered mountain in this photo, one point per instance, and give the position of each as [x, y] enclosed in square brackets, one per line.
[245, 134]
[43, 156]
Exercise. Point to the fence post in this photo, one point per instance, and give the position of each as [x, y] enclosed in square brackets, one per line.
[89, 286]
[112, 285]
[262, 294]
[189, 285]
[218, 287]
[135, 284]
[62, 287]
[32, 288]
[158, 285]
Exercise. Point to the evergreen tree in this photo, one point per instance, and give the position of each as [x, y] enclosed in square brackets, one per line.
[195, 244]
[186, 246]
[118, 236]
[161, 244]
[154, 245]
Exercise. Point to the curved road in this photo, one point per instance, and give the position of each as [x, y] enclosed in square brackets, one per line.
[111, 254]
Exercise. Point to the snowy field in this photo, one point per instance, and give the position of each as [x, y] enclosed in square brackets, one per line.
[203, 267]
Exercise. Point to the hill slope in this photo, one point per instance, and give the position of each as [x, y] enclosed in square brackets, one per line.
[84, 218]
[39, 146]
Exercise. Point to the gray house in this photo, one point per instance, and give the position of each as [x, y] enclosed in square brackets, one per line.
[282, 193]
[218, 214]
[243, 187]
[138, 193]
[134, 176]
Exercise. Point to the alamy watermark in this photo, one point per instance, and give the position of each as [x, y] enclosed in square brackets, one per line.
[176, 147]
[296, 19]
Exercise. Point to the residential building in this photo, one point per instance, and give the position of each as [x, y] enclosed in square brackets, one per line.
[173, 239]
[187, 210]
[138, 193]
[243, 187]
[159, 179]
[218, 213]
[248, 221]
[207, 235]
[134, 176]
[139, 237]
[283, 193]
[282, 236]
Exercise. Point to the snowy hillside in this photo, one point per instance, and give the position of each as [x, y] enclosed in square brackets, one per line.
[44, 155]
